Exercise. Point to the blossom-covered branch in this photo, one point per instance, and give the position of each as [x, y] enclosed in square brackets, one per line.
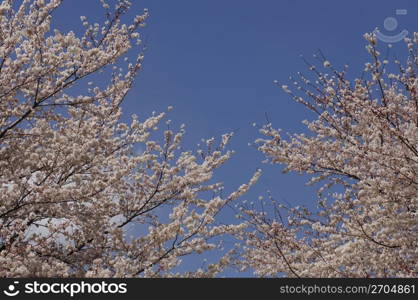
[74, 179]
[363, 147]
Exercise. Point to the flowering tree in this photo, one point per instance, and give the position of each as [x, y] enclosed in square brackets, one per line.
[74, 177]
[363, 147]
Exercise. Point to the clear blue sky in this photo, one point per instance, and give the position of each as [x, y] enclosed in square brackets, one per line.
[215, 62]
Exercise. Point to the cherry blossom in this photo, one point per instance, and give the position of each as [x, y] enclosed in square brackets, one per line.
[362, 148]
[75, 180]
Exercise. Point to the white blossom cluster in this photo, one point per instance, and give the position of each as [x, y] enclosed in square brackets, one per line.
[363, 147]
[72, 180]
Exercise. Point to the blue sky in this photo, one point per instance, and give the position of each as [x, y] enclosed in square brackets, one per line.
[215, 62]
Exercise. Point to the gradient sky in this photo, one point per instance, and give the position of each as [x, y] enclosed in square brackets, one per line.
[215, 62]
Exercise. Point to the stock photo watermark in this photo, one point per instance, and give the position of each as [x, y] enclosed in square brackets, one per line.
[391, 24]
[12, 290]
[65, 288]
